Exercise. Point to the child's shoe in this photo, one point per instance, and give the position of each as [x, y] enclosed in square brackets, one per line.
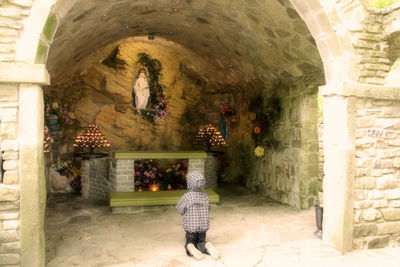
[212, 251]
[194, 252]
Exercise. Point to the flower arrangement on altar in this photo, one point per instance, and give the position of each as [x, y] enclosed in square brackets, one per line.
[229, 112]
[174, 178]
[147, 172]
[67, 169]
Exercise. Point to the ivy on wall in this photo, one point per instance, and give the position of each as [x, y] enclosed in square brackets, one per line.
[268, 113]
[157, 96]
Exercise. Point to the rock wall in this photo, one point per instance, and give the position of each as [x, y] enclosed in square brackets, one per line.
[104, 94]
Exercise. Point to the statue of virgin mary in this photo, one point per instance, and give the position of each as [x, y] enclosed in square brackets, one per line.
[141, 90]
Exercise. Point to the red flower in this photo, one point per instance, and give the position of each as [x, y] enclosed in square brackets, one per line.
[257, 130]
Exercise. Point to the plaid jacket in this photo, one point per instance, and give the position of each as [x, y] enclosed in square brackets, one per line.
[195, 205]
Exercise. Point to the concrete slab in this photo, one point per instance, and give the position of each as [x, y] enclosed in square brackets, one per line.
[248, 230]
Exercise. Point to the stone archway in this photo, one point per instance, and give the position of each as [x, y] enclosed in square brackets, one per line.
[340, 66]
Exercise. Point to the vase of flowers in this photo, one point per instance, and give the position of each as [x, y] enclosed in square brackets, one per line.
[229, 113]
[147, 172]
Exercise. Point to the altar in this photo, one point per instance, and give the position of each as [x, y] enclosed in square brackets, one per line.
[116, 173]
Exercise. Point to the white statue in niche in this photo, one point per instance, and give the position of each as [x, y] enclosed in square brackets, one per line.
[141, 90]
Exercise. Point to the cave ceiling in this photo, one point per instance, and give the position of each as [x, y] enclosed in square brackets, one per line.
[254, 39]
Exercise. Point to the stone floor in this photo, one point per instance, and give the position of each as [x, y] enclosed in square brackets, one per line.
[248, 230]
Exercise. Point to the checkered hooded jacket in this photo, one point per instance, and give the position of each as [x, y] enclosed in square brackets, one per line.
[195, 205]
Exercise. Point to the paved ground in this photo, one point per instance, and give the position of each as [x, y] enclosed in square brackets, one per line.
[248, 230]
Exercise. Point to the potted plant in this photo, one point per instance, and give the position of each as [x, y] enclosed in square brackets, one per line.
[319, 212]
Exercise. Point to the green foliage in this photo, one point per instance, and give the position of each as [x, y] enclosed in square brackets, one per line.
[382, 3]
[320, 101]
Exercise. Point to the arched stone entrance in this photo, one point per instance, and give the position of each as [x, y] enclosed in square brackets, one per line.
[330, 27]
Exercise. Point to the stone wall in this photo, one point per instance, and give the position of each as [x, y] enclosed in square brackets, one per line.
[9, 186]
[289, 173]
[377, 180]
[12, 13]
[372, 49]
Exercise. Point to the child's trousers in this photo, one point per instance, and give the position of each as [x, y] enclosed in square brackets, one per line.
[198, 240]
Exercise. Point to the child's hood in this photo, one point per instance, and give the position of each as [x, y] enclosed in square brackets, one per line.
[195, 181]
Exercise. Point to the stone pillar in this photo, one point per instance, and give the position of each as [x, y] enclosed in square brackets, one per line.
[210, 171]
[85, 165]
[339, 152]
[31, 169]
[123, 175]
[196, 165]
[99, 188]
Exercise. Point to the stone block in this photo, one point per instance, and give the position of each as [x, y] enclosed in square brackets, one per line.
[11, 224]
[365, 142]
[396, 162]
[363, 230]
[8, 193]
[360, 194]
[391, 112]
[388, 228]
[9, 259]
[9, 236]
[378, 242]
[365, 183]
[363, 204]
[371, 214]
[8, 92]
[381, 203]
[10, 248]
[10, 178]
[391, 194]
[9, 145]
[372, 80]
[357, 216]
[383, 164]
[363, 162]
[391, 214]
[384, 123]
[394, 203]
[8, 130]
[9, 155]
[8, 114]
[386, 182]
[365, 122]
[22, 3]
[361, 172]
[10, 165]
[376, 194]
[376, 172]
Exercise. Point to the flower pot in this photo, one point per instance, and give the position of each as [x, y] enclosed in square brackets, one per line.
[319, 211]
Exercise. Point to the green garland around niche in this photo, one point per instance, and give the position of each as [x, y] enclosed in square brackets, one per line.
[157, 103]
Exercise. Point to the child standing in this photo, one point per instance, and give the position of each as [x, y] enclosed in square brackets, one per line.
[195, 208]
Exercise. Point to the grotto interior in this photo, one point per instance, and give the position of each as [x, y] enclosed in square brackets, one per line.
[201, 56]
